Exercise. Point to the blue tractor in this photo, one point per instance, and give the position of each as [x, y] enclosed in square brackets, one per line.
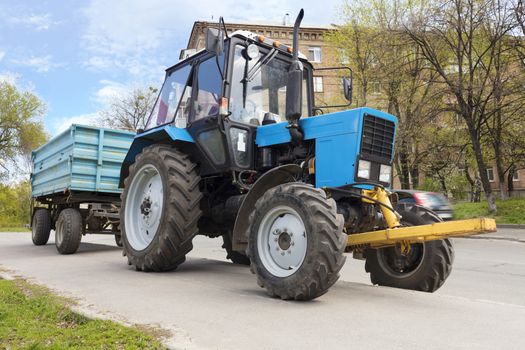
[235, 147]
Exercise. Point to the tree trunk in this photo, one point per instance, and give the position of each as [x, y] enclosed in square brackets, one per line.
[414, 175]
[443, 185]
[510, 181]
[471, 183]
[485, 183]
[502, 179]
[404, 174]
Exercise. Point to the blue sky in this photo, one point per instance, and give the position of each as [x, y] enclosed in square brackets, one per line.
[76, 55]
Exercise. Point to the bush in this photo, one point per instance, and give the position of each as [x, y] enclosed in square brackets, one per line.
[15, 204]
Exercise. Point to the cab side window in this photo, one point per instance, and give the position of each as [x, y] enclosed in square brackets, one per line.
[208, 85]
[169, 97]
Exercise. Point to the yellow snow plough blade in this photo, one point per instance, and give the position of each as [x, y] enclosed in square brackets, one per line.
[422, 233]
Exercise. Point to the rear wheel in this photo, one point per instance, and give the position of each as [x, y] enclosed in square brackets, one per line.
[68, 231]
[425, 267]
[296, 242]
[160, 209]
[41, 226]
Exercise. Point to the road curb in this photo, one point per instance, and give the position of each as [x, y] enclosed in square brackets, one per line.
[495, 238]
[515, 226]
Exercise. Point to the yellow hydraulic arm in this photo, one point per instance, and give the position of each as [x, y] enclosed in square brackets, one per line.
[396, 234]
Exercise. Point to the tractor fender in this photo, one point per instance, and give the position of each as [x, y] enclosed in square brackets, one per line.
[167, 133]
[277, 176]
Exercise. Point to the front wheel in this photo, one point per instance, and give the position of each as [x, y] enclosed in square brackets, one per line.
[160, 209]
[425, 267]
[296, 242]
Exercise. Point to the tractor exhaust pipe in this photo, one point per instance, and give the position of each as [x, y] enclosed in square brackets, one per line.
[294, 87]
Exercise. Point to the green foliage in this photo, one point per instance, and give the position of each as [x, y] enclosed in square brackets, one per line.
[21, 129]
[32, 318]
[510, 211]
[15, 204]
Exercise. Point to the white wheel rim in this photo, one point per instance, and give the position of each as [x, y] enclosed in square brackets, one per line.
[282, 241]
[144, 204]
[59, 232]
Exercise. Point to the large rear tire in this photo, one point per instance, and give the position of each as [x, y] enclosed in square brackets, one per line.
[68, 231]
[425, 267]
[296, 242]
[41, 227]
[160, 209]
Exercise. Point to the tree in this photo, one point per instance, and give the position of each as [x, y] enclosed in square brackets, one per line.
[453, 38]
[21, 129]
[356, 40]
[380, 53]
[131, 111]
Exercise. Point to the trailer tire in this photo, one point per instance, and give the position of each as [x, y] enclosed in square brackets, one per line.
[172, 234]
[238, 258]
[68, 231]
[41, 226]
[427, 264]
[296, 221]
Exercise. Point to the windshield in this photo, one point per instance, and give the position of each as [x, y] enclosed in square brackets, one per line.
[264, 93]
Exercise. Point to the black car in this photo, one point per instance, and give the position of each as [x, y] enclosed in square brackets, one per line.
[436, 202]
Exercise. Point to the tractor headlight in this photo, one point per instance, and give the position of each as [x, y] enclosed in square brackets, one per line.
[363, 169]
[385, 172]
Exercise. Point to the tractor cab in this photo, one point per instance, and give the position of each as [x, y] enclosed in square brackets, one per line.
[222, 94]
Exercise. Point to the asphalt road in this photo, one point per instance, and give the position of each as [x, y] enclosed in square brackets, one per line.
[209, 303]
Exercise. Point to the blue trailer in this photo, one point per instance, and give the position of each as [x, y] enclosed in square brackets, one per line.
[75, 185]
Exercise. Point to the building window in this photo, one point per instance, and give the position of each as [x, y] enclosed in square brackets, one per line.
[314, 54]
[343, 55]
[318, 84]
[516, 176]
[490, 174]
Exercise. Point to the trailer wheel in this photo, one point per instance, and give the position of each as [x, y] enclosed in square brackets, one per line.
[425, 267]
[236, 257]
[160, 209]
[68, 231]
[41, 226]
[296, 242]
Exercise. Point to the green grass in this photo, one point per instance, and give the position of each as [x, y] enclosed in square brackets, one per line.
[511, 211]
[14, 229]
[31, 317]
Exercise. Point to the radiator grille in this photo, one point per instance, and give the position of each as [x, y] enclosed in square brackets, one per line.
[378, 137]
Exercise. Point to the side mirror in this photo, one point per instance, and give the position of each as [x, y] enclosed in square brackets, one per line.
[214, 41]
[347, 88]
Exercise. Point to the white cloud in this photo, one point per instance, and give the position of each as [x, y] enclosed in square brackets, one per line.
[37, 22]
[61, 124]
[143, 37]
[41, 64]
[2, 55]
[109, 91]
[9, 77]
